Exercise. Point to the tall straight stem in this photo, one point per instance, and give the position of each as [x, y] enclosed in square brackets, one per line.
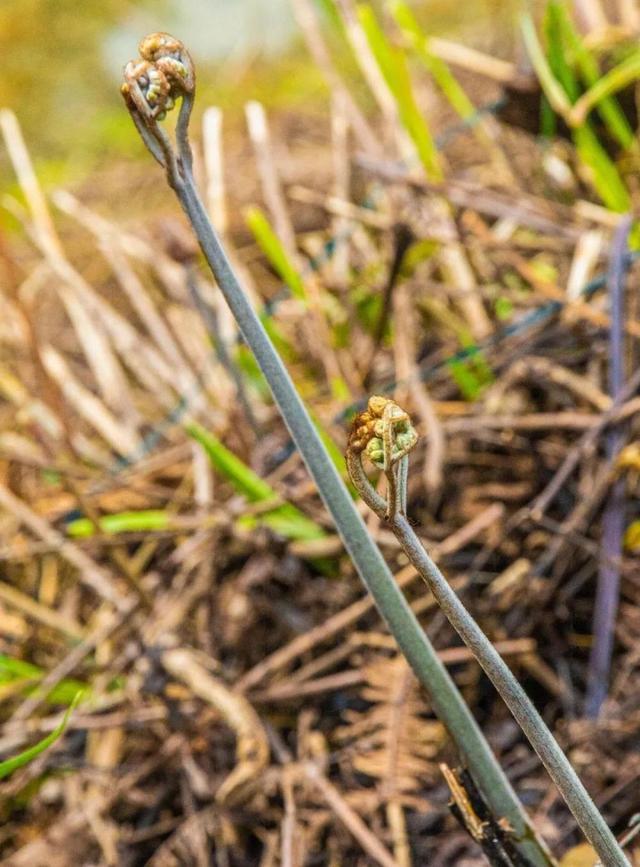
[374, 572]
[613, 518]
[553, 758]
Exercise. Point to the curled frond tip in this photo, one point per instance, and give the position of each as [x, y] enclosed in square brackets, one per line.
[382, 417]
[166, 72]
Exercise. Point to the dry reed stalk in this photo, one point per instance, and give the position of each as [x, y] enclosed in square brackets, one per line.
[341, 162]
[269, 176]
[405, 351]
[44, 614]
[578, 421]
[77, 296]
[342, 208]
[547, 373]
[629, 15]
[316, 329]
[586, 256]
[591, 16]
[109, 242]
[103, 751]
[28, 407]
[89, 573]
[87, 405]
[308, 23]
[475, 61]
[213, 150]
[210, 303]
[154, 367]
[216, 201]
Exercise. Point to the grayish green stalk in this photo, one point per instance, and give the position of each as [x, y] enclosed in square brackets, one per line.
[374, 572]
[394, 463]
[553, 758]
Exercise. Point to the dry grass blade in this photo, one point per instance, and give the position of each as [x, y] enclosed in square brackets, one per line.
[77, 296]
[369, 842]
[89, 572]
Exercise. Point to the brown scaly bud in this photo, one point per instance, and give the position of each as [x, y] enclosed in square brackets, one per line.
[171, 57]
[147, 89]
[368, 431]
[165, 73]
[363, 425]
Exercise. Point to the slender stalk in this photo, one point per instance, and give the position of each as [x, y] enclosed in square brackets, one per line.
[552, 756]
[385, 435]
[613, 518]
[403, 625]
[374, 572]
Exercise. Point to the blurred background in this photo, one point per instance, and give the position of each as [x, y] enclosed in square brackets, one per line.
[62, 63]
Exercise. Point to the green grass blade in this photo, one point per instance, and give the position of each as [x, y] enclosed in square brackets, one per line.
[471, 373]
[144, 521]
[603, 174]
[438, 69]
[274, 250]
[8, 766]
[231, 467]
[552, 88]
[14, 670]
[622, 75]
[333, 17]
[587, 65]
[285, 519]
[605, 177]
[465, 379]
[393, 67]
[557, 54]
[280, 260]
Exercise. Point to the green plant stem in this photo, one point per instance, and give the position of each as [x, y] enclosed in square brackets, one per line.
[403, 625]
[549, 83]
[8, 766]
[618, 78]
[560, 770]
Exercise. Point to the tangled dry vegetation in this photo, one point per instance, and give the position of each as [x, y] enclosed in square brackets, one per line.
[164, 551]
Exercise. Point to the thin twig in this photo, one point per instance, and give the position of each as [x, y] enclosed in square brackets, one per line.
[608, 588]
